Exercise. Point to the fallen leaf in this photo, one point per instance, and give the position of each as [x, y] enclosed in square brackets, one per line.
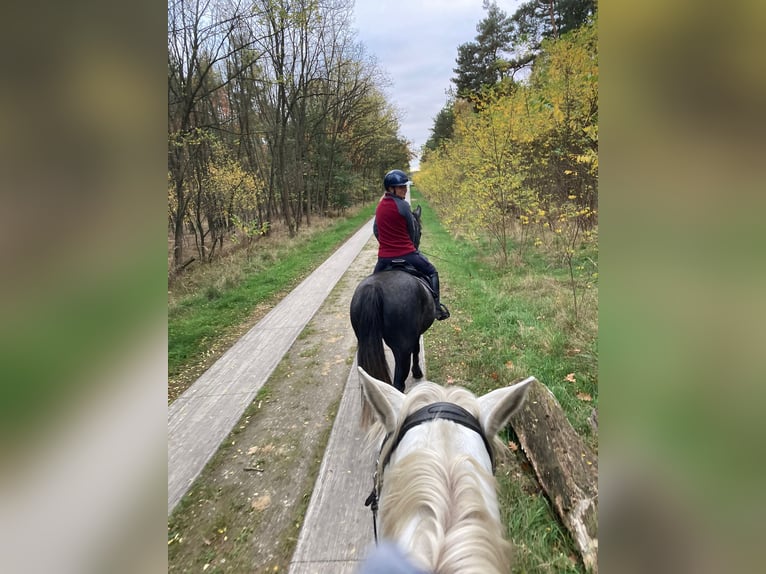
[513, 446]
[584, 397]
[570, 377]
[509, 364]
[494, 376]
[450, 381]
[262, 503]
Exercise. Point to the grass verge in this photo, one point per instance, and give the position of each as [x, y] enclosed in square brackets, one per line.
[508, 323]
[206, 312]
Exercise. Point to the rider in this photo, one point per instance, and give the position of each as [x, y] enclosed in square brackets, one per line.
[394, 229]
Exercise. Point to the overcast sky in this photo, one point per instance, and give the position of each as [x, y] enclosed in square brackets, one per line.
[415, 42]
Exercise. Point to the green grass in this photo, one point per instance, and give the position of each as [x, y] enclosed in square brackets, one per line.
[508, 323]
[540, 542]
[209, 311]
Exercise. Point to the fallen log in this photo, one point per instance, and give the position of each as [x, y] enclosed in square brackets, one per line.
[565, 467]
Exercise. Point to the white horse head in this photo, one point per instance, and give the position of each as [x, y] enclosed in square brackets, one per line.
[435, 482]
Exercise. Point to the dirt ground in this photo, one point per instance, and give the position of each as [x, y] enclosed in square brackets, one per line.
[244, 512]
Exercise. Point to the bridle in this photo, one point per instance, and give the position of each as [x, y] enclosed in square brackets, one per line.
[434, 411]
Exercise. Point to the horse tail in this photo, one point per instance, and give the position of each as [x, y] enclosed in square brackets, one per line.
[367, 320]
[369, 333]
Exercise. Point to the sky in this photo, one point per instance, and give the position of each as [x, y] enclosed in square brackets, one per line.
[415, 43]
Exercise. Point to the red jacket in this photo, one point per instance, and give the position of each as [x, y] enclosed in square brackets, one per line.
[394, 227]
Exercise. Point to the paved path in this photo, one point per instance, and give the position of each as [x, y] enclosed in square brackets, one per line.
[337, 530]
[201, 418]
[337, 533]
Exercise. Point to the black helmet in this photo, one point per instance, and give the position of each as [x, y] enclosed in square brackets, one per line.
[395, 177]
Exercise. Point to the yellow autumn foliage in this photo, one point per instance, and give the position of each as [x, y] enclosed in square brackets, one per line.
[525, 157]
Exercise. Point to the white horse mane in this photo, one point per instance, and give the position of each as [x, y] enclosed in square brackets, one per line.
[438, 494]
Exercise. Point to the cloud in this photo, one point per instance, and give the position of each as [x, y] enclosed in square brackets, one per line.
[415, 43]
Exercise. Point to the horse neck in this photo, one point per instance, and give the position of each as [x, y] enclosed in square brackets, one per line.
[439, 502]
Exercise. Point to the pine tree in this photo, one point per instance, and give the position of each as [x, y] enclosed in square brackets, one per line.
[482, 63]
[443, 126]
[537, 20]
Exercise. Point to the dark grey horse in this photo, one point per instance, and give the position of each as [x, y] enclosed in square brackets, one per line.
[396, 307]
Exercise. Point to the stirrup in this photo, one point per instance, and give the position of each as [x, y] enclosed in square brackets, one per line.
[442, 312]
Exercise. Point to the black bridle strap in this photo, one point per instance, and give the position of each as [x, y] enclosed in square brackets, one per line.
[372, 502]
[445, 411]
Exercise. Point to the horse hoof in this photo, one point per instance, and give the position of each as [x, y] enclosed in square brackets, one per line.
[417, 374]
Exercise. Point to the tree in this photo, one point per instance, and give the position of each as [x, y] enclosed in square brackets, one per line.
[272, 100]
[199, 36]
[482, 64]
[537, 20]
[444, 123]
[565, 82]
[525, 162]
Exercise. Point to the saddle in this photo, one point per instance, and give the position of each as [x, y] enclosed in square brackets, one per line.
[402, 265]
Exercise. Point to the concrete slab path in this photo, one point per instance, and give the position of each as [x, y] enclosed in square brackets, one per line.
[201, 418]
[336, 534]
[337, 528]
[337, 531]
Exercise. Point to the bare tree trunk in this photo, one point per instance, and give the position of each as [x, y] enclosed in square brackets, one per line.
[178, 225]
[566, 468]
[552, 14]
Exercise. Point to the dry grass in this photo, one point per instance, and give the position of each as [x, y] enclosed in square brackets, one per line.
[229, 267]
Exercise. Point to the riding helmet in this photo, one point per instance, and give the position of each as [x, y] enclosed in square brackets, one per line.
[395, 177]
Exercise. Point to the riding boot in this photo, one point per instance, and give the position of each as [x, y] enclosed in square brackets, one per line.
[441, 311]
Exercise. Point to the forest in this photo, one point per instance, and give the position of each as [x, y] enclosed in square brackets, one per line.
[517, 160]
[275, 114]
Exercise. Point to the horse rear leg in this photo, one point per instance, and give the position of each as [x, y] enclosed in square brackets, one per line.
[416, 371]
[401, 368]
